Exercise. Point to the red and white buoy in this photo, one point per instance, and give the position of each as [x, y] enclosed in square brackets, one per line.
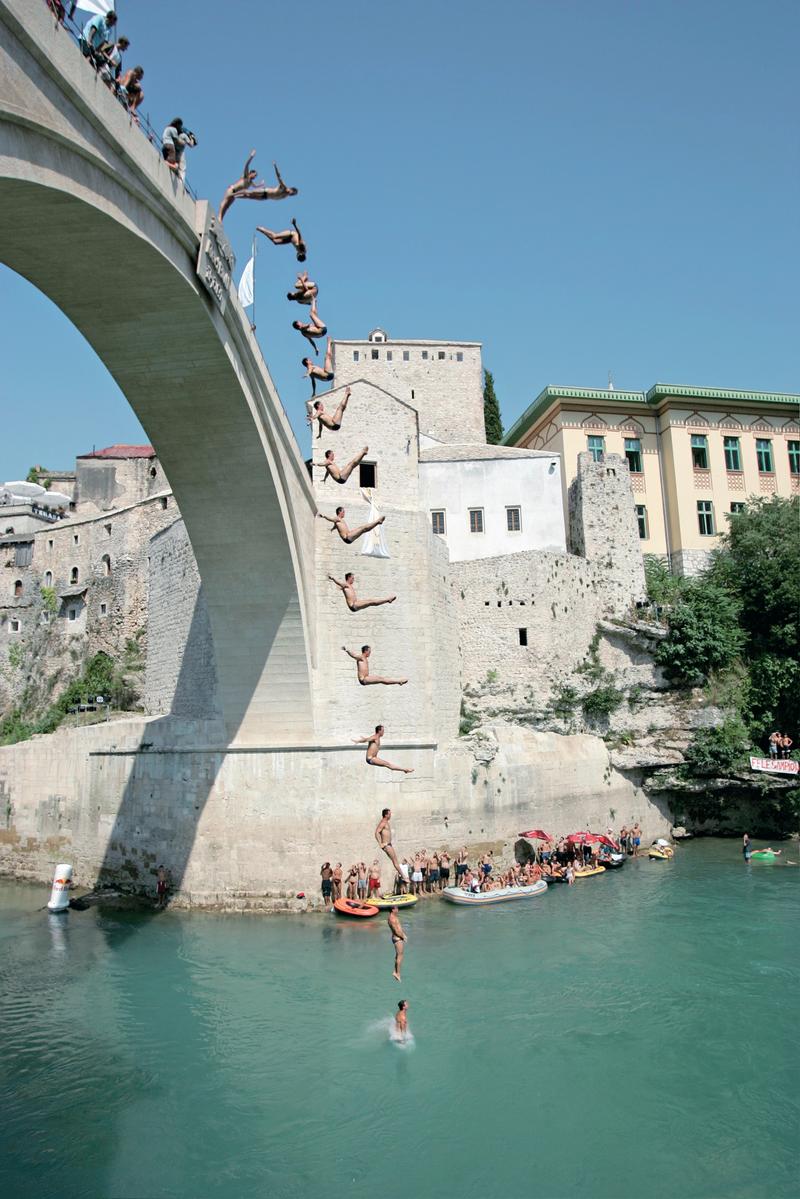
[59, 896]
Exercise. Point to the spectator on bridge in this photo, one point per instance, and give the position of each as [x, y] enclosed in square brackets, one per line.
[96, 35]
[174, 141]
[57, 9]
[129, 90]
[111, 62]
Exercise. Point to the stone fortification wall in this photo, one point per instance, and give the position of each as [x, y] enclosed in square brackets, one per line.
[109, 553]
[412, 637]
[447, 393]
[118, 800]
[105, 483]
[602, 522]
[181, 675]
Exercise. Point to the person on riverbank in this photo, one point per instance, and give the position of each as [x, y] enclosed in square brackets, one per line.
[637, 839]
[349, 535]
[362, 667]
[348, 589]
[326, 874]
[416, 874]
[461, 865]
[398, 941]
[337, 881]
[361, 882]
[403, 881]
[433, 873]
[374, 878]
[162, 887]
[775, 740]
[444, 869]
[351, 881]
[786, 745]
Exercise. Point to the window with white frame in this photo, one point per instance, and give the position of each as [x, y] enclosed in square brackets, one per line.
[14, 626]
[705, 518]
[476, 520]
[514, 519]
[437, 521]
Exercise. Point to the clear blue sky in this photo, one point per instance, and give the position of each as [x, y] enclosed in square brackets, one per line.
[582, 185]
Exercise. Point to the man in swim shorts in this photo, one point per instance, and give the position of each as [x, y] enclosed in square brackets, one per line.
[348, 588]
[637, 839]
[361, 886]
[373, 749]
[401, 1021]
[347, 535]
[398, 940]
[364, 677]
[339, 474]
[461, 865]
[334, 423]
[383, 835]
[326, 874]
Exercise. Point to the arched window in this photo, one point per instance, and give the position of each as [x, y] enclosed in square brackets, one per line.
[48, 578]
[73, 575]
[17, 588]
[106, 564]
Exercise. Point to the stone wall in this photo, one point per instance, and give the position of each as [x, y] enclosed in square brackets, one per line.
[181, 675]
[447, 393]
[116, 800]
[602, 523]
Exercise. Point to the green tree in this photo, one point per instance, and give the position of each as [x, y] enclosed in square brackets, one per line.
[492, 420]
[718, 750]
[704, 634]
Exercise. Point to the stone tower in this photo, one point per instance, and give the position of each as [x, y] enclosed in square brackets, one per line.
[602, 520]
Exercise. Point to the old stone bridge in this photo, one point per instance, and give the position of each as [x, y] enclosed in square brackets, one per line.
[93, 218]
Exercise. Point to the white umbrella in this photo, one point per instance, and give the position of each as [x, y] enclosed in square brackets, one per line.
[22, 488]
[53, 499]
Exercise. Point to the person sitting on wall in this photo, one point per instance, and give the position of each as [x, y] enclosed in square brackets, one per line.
[362, 667]
[318, 413]
[347, 535]
[340, 474]
[313, 328]
[348, 589]
[322, 373]
[288, 237]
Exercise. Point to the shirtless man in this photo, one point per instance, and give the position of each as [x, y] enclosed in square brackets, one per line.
[348, 588]
[337, 881]
[305, 290]
[398, 940]
[289, 237]
[373, 743]
[323, 373]
[326, 875]
[344, 532]
[313, 328]
[401, 1021]
[362, 666]
[246, 188]
[361, 881]
[339, 474]
[318, 413]
[383, 835]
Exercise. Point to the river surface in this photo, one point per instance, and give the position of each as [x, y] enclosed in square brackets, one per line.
[633, 1035]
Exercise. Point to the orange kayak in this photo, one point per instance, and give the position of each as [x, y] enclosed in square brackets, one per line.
[354, 907]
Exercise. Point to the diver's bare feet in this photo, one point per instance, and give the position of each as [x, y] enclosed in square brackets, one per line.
[395, 975]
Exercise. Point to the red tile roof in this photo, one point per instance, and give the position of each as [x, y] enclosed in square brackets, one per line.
[122, 451]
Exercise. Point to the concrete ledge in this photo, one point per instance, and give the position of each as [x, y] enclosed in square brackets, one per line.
[320, 747]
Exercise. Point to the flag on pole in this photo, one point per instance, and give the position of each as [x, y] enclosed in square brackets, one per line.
[96, 7]
[246, 285]
[374, 541]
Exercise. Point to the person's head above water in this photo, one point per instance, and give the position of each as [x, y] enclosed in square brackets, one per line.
[402, 1005]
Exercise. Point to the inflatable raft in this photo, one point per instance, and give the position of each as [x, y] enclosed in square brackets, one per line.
[482, 899]
[763, 855]
[659, 854]
[385, 902]
[354, 907]
[588, 873]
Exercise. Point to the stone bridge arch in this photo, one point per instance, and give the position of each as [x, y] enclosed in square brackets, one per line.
[91, 216]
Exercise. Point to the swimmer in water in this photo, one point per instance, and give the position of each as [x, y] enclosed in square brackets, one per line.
[398, 940]
[401, 1021]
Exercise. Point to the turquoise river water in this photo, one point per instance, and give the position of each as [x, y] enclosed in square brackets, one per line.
[633, 1035]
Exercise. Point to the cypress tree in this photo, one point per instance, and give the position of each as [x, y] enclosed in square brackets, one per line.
[491, 411]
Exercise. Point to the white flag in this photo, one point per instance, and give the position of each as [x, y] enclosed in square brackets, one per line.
[374, 541]
[246, 293]
[95, 6]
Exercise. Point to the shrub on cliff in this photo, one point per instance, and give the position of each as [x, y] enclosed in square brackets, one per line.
[718, 751]
[704, 634]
